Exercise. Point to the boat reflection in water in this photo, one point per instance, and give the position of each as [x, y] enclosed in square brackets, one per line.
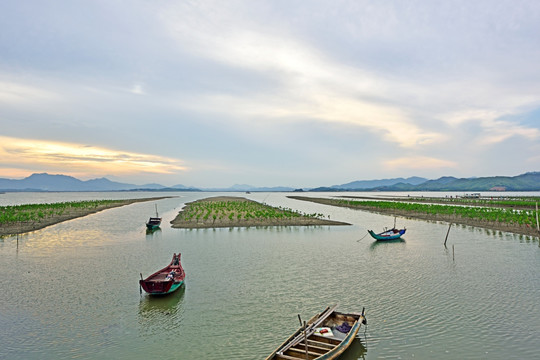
[382, 244]
[356, 351]
[158, 313]
[151, 232]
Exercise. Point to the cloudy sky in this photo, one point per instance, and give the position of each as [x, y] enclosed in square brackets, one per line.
[268, 93]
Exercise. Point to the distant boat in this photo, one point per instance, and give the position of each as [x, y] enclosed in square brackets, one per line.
[166, 280]
[325, 336]
[392, 234]
[154, 222]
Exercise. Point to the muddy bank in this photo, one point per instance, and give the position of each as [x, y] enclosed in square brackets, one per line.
[67, 214]
[492, 225]
[444, 201]
[228, 211]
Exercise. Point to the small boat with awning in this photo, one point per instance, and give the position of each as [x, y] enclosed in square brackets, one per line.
[154, 222]
[324, 337]
[392, 234]
[166, 280]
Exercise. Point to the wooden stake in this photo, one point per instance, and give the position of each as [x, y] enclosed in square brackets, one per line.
[537, 227]
[446, 238]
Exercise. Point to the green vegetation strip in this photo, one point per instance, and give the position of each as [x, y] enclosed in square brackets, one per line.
[38, 212]
[518, 203]
[237, 211]
[506, 219]
[510, 216]
[18, 219]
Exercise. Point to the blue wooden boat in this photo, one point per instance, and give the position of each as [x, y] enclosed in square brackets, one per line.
[392, 234]
[166, 280]
[324, 337]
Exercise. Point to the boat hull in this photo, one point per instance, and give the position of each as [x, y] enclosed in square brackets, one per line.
[165, 281]
[153, 223]
[160, 288]
[320, 347]
[387, 235]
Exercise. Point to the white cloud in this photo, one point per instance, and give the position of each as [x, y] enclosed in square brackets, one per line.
[414, 82]
[313, 86]
[70, 157]
[19, 94]
[419, 163]
[137, 89]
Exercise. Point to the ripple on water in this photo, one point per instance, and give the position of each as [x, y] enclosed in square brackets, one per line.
[74, 291]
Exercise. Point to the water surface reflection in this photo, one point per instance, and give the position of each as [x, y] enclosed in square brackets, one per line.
[161, 313]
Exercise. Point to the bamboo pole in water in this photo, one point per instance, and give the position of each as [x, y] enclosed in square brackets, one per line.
[446, 238]
[537, 227]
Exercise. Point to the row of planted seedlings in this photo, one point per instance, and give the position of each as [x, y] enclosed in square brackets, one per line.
[521, 202]
[36, 212]
[488, 214]
[237, 210]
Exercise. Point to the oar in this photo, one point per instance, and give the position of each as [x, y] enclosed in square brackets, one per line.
[309, 329]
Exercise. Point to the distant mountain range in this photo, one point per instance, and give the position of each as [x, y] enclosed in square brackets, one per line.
[524, 182]
[362, 185]
[46, 182]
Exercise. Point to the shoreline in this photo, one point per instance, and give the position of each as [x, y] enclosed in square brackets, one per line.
[25, 227]
[441, 201]
[181, 222]
[491, 225]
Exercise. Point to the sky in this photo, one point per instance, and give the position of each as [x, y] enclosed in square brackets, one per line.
[269, 93]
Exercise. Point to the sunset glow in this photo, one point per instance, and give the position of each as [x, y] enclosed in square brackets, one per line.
[77, 159]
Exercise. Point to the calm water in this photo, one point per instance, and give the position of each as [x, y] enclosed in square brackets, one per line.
[71, 291]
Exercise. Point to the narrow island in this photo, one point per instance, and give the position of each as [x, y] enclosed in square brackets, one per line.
[494, 215]
[19, 219]
[229, 211]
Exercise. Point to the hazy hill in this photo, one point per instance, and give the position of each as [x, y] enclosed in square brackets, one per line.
[524, 182]
[370, 184]
[245, 187]
[48, 182]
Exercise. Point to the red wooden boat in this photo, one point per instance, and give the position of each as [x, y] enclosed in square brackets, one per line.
[166, 280]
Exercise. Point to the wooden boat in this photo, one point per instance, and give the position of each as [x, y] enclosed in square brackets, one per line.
[325, 336]
[392, 234]
[154, 222]
[166, 280]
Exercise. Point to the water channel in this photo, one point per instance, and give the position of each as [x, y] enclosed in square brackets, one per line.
[70, 291]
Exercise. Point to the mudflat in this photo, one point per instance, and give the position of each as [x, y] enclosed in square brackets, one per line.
[68, 213]
[230, 211]
[454, 219]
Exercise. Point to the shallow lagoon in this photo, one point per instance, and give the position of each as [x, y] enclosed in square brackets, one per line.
[71, 290]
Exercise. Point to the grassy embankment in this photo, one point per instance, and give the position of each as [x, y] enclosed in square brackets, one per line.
[18, 219]
[496, 214]
[518, 203]
[241, 212]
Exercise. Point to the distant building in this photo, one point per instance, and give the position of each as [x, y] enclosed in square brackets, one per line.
[498, 188]
[472, 196]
